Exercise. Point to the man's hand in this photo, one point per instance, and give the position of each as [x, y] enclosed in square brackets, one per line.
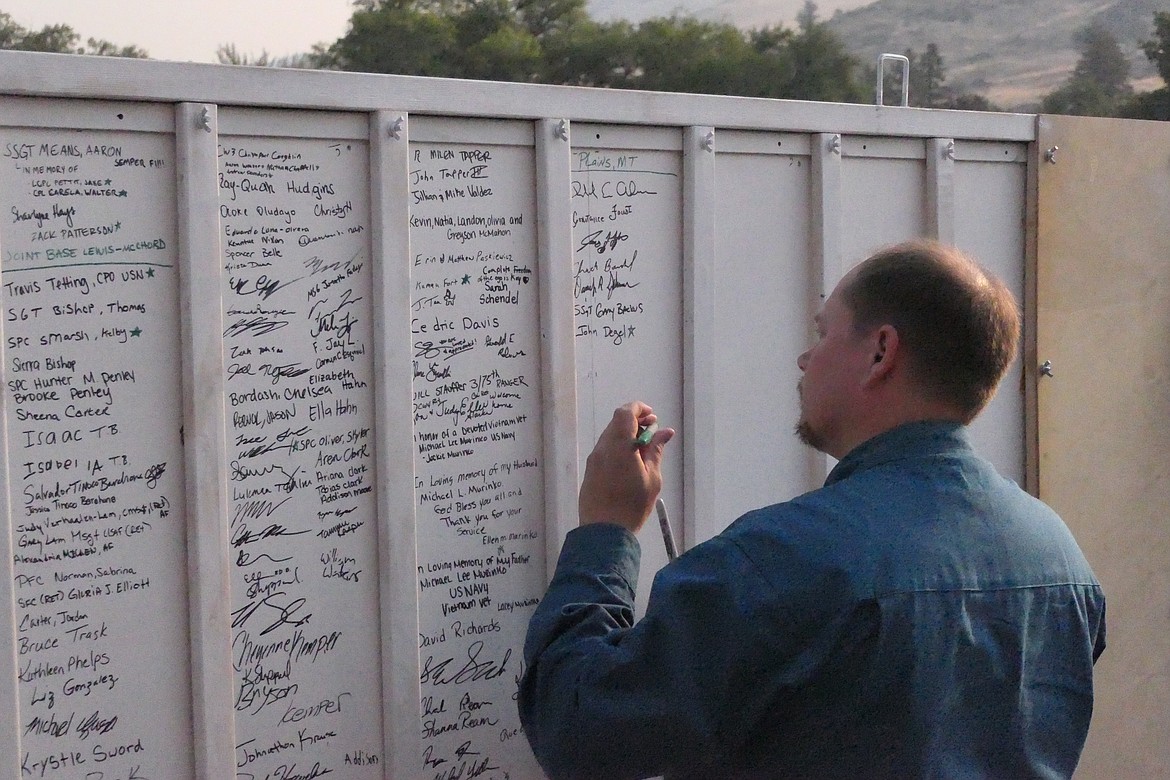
[622, 480]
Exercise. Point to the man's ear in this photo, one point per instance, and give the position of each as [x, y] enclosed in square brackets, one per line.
[886, 355]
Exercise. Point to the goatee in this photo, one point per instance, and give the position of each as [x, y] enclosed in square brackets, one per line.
[808, 436]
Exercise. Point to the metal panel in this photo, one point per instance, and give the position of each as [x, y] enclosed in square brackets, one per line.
[389, 136]
[91, 290]
[884, 202]
[940, 188]
[743, 142]
[883, 147]
[599, 136]
[767, 292]
[700, 375]
[204, 420]
[829, 247]
[1103, 239]
[990, 200]
[426, 129]
[554, 240]
[86, 115]
[259, 122]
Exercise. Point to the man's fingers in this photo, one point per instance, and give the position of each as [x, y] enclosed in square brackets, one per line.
[635, 410]
[627, 419]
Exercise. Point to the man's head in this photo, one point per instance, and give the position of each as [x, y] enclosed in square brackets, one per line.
[917, 331]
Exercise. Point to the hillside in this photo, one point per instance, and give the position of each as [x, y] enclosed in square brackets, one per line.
[1011, 51]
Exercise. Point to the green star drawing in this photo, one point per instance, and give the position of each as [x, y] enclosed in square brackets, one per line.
[467, 278]
[150, 272]
[136, 332]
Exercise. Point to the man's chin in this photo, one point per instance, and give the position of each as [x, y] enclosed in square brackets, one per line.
[809, 436]
[805, 433]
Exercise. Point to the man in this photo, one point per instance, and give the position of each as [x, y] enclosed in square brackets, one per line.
[917, 617]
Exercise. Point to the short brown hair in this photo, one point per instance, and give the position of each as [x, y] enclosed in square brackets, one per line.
[959, 323]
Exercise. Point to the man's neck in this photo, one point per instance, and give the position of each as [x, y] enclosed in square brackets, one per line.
[889, 417]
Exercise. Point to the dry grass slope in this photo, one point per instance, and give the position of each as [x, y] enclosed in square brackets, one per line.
[1011, 51]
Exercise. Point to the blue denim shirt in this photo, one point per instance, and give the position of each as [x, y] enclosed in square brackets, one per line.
[919, 616]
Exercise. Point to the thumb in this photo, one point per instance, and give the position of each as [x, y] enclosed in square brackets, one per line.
[652, 452]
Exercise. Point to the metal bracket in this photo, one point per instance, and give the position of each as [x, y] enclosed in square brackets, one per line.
[835, 143]
[562, 130]
[205, 119]
[1050, 154]
[949, 152]
[709, 141]
[1046, 368]
[396, 128]
[881, 72]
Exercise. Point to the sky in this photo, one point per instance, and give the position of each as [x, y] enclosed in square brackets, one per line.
[193, 30]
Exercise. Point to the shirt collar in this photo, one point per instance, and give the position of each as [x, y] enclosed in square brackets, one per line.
[915, 439]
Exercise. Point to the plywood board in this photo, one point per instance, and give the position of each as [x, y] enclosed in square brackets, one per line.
[1103, 321]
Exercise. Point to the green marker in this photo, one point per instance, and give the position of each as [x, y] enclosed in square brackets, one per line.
[645, 433]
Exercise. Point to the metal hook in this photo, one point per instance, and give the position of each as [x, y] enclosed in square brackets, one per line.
[205, 119]
[835, 143]
[709, 141]
[563, 130]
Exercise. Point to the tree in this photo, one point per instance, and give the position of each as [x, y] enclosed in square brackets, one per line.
[1155, 104]
[970, 101]
[807, 18]
[479, 39]
[58, 39]
[1100, 80]
[590, 54]
[1079, 97]
[927, 74]
[397, 37]
[548, 17]
[508, 53]
[227, 54]
[1102, 60]
[1157, 49]
[683, 54]
[555, 41]
[493, 42]
[822, 68]
[104, 48]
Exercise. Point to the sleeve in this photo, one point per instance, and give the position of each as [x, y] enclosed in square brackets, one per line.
[603, 697]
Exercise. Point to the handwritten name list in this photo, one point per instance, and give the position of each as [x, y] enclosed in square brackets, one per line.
[91, 380]
[618, 198]
[298, 374]
[627, 278]
[475, 335]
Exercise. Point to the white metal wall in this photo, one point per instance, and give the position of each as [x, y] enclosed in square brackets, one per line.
[602, 246]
